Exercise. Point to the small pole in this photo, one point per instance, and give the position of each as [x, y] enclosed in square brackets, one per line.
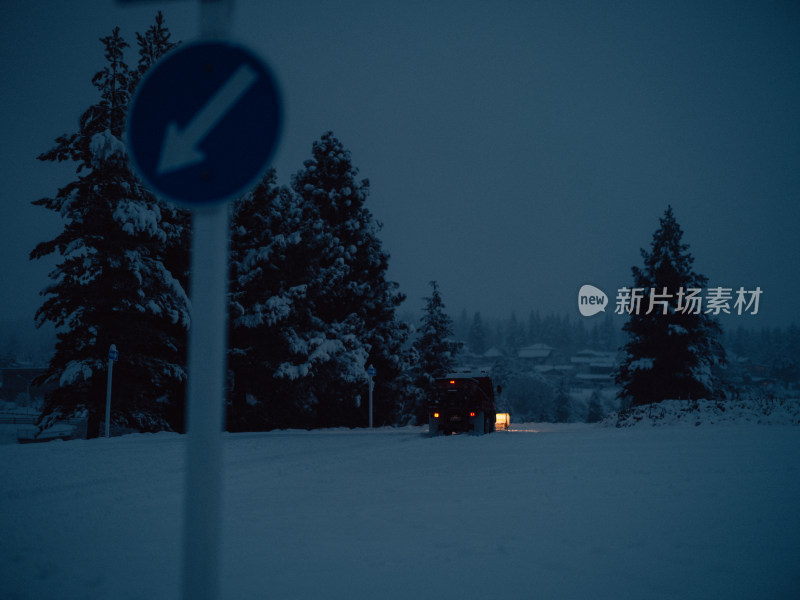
[112, 352]
[370, 374]
[371, 386]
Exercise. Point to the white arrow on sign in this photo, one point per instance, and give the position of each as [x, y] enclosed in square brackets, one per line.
[180, 148]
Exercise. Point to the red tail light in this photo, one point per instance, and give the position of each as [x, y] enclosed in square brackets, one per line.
[472, 414]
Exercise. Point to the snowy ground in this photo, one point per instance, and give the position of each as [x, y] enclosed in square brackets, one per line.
[542, 511]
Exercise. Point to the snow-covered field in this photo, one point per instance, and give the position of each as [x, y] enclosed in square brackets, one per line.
[542, 511]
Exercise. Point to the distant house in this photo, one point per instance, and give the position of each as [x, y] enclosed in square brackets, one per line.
[492, 354]
[593, 367]
[536, 354]
[555, 373]
[466, 361]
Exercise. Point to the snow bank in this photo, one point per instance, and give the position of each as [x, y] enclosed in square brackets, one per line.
[542, 511]
[763, 411]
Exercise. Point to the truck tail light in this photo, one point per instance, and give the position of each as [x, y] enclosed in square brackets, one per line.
[472, 414]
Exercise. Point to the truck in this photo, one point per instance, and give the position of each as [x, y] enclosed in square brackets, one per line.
[462, 402]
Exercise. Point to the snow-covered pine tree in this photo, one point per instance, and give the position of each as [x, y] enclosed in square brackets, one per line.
[175, 222]
[269, 272]
[435, 348]
[352, 306]
[672, 343]
[111, 286]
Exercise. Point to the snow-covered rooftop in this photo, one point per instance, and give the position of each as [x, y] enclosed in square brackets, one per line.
[535, 351]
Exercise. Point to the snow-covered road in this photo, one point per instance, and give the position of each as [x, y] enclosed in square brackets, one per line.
[542, 511]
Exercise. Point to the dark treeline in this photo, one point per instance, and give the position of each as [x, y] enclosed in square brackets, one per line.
[770, 352]
[775, 350]
[481, 334]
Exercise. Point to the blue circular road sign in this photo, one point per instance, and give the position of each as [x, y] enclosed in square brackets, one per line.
[204, 123]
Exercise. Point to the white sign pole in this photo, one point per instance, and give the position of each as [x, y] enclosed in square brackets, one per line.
[171, 145]
[206, 398]
[112, 351]
[207, 365]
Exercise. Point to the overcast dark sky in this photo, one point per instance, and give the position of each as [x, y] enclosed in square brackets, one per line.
[516, 150]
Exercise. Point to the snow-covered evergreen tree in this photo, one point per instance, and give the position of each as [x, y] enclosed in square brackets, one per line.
[435, 347]
[351, 307]
[269, 273]
[175, 223]
[310, 303]
[672, 342]
[112, 285]
[175, 220]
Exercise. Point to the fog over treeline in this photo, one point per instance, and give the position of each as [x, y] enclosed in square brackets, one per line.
[20, 343]
[773, 347]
